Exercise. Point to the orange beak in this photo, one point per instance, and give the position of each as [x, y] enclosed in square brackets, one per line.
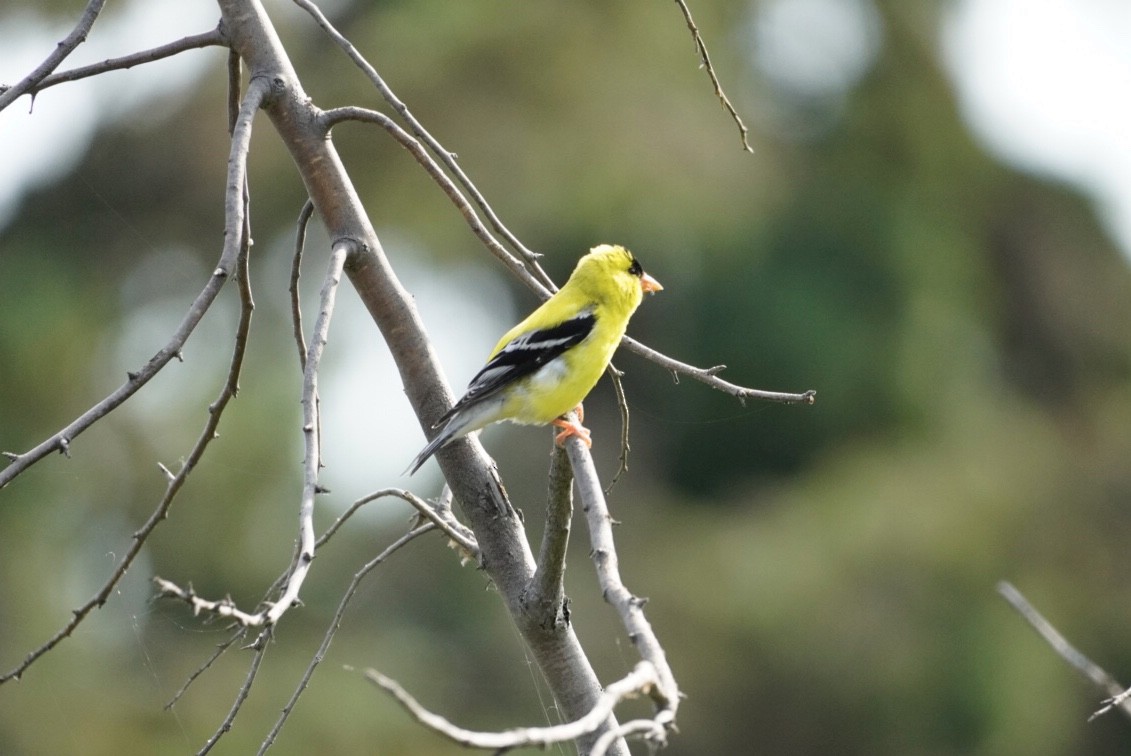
[649, 284]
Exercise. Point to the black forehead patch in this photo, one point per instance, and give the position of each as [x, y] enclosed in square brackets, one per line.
[635, 268]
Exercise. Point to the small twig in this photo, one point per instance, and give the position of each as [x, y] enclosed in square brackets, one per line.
[641, 680]
[332, 630]
[710, 377]
[235, 247]
[705, 59]
[449, 187]
[447, 157]
[547, 587]
[311, 434]
[296, 272]
[1117, 694]
[647, 729]
[630, 608]
[57, 56]
[225, 608]
[220, 649]
[260, 647]
[622, 404]
[210, 38]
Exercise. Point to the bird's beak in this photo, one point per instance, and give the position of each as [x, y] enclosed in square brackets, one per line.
[649, 284]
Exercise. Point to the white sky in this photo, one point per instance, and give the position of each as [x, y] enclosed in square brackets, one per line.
[1046, 86]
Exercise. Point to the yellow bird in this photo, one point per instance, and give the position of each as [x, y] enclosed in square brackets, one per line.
[547, 364]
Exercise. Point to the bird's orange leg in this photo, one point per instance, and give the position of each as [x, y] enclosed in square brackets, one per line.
[570, 428]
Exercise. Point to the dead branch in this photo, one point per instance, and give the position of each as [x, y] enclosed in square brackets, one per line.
[630, 608]
[1117, 695]
[332, 630]
[211, 38]
[705, 59]
[77, 36]
[642, 678]
[236, 243]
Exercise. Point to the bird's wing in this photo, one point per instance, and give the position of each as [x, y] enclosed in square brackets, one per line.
[522, 356]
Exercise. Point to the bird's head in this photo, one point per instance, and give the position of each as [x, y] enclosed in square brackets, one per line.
[611, 272]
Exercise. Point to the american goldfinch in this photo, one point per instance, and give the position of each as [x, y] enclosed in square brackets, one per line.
[544, 366]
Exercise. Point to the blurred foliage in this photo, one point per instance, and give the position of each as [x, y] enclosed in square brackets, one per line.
[822, 577]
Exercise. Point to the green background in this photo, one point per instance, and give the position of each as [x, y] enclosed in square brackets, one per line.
[822, 578]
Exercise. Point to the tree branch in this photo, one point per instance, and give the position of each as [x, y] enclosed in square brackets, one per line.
[332, 630]
[57, 56]
[630, 608]
[233, 231]
[705, 59]
[710, 377]
[640, 680]
[235, 253]
[211, 38]
[447, 157]
[311, 434]
[1117, 695]
[547, 587]
[296, 272]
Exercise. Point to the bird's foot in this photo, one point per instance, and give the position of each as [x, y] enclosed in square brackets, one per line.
[570, 428]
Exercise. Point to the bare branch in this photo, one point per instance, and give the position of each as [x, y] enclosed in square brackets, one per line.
[641, 680]
[547, 587]
[311, 434]
[337, 115]
[220, 649]
[235, 254]
[296, 272]
[447, 157]
[1118, 696]
[260, 647]
[225, 608]
[332, 630]
[58, 55]
[622, 404]
[210, 38]
[630, 608]
[705, 59]
[710, 377]
[233, 233]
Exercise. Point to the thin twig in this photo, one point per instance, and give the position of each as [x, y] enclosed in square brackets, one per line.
[447, 157]
[235, 247]
[220, 649]
[449, 187]
[210, 38]
[641, 680]
[647, 729]
[311, 434]
[705, 60]
[547, 587]
[440, 516]
[1118, 696]
[710, 376]
[630, 608]
[224, 608]
[260, 647]
[57, 56]
[296, 273]
[332, 630]
[622, 404]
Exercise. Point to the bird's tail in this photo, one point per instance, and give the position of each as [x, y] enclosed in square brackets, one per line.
[449, 433]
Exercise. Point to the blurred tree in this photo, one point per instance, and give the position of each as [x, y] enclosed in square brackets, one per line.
[823, 579]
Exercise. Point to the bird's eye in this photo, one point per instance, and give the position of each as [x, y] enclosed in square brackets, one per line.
[635, 268]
